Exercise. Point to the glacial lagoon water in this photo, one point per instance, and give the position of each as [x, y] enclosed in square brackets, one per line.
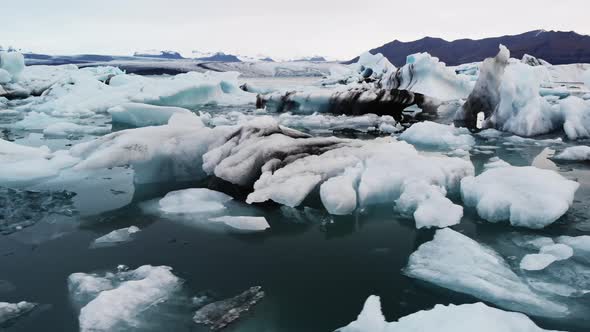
[316, 269]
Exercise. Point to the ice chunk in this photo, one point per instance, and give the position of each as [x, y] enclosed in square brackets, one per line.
[458, 263]
[244, 223]
[547, 255]
[451, 318]
[116, 301]
[115, 237]
[436, 135]
[576, 116]
[143, 115]
[11, 311]
[580, 244]
[326, 123]
[21, 164]
[425, 201]
[13, 63]
[526, 196]
[170, 152]
[220, 314]
[196, 200]
[425, 74]
[581, 152]
[64, 129]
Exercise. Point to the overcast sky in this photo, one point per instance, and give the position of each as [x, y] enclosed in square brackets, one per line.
[335, 28]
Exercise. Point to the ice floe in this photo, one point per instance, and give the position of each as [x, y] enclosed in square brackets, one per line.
[119, 300]
[525, 196]
[451, 318]
[21, 164]
[581, 152]
[454, 261]
[547, 255]
[197, 200]
[143, 115]
[243, 223]
[11, 311]
[115, 237]
[435, 135]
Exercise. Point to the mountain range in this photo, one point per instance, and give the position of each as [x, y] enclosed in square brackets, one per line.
[556, 47]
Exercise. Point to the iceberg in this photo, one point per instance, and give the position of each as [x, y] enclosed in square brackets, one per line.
[441, 318]
[197, 200]
[525, 196]
[169, 152]
[426, 75]
[11, 311]
[118, 301]
[547, 255]
[576, 117]
[243, 223]
[11, 66]
[456, 262]
[143, 115]
[581, 152]
[220, 314]
[21, 165]
[115, 237]
[435, 135]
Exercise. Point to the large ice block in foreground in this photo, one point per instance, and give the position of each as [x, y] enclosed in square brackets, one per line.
[451, 318]
[116, 301]
[11, 311]
[525, 196]
[456, 262]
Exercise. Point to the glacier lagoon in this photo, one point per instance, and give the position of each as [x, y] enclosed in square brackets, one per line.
[316, 269]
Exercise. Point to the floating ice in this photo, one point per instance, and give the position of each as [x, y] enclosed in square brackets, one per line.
[458, 263]
[244, 223]
[220, 314]
[451, 318]
[436, 135]
[117, 301]
[197, 200]
[581, 152]
[576, 117]
[170, 152]
[11, 65]
[143, 115]
[21, 164]
[11, 311]
[526, 196]
[547, 255]
[425, 74]
[65, 129]
[580, 244]
[115, 237]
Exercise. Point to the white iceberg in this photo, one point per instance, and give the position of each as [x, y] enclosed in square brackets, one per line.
[21, 164]
[576, 117]
[436, 135]
[117, 301]
[115, 237]
[195, 200]
[170, 152]
[546, 256]
[11, 311]
[525, 196]
[456, 262]
[243, 223]
[11, 66]
[425, 74]
[581, 152]
[441, 318]
[143, 115]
